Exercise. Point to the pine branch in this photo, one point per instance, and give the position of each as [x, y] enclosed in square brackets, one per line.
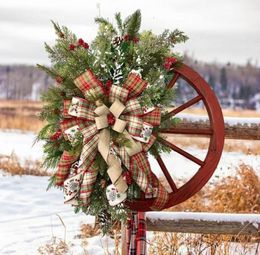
[177, 36]
[49, 49]
[57, 28]
[50, 71]
[119, 23]
[105, 22]
[133, 24]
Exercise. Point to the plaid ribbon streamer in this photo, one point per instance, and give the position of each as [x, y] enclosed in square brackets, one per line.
[81, 108]
[153, 117]
[121, 152]
[88, 80]
[89, 152]
[134, 124]
[66, 105]
[88, 131]
[147, 146]
[89, 178]
[135, 85]
[133, 107]
[155, 188]
[119, 93]
[139, 176]
[97, 91]
[64, 165]
[140, 163]
[136, 234]
[161, 196]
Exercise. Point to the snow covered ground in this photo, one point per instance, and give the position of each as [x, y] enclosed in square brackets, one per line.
[29, 217]
[29, 214]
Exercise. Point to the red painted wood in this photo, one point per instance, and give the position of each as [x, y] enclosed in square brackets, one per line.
[182, 107]
[216, 136]
[166, 173]
[182, 152]
[187, 131]
[173, 80]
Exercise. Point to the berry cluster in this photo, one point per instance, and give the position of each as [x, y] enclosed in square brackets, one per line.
[168, 62]
[117, 40]
[80, 43]
[57, 135]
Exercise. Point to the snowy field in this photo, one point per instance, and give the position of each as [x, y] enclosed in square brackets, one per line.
[29, 214]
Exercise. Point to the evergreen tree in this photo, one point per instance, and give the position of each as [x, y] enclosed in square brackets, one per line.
[212, 81]
[223, 79]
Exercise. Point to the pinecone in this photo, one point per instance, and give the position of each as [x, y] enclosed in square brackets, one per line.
[117, 40]
[104, 220]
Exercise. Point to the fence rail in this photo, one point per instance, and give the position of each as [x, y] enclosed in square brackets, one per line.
[204, 223]
[240, 131]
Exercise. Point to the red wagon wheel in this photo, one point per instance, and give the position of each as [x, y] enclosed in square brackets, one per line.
[215, 132]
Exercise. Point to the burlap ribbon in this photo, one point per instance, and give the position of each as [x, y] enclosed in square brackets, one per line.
[115, 170]
[91, 120]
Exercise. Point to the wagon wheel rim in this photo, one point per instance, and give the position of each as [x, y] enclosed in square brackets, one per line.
[215, 132]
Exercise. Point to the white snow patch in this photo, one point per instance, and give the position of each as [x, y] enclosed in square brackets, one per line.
[218, 217]
[229, 120]
[29, 218]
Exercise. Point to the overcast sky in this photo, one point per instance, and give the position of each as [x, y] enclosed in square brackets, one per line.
[219, 30]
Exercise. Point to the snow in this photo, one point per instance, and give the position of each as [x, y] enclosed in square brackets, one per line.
[217, 217]
[21, 143]
[29, 217]
[228, 120]
[29, 214]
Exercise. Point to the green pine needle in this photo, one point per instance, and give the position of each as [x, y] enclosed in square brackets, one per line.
[133, 24]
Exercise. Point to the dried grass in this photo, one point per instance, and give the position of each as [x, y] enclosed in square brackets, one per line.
[235, 194]
[89, 230]
[13, 166]
[21, 122]
[55, 246]
[20, 115]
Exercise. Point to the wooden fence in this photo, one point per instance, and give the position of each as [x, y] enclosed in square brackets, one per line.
[204, 223]
[208, 223]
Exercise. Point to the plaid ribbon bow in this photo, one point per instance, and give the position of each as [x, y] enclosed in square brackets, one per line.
[91, 119]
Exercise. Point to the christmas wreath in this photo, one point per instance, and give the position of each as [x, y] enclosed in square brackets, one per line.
[103, 114]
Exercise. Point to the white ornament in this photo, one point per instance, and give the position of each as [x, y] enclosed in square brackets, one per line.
[114, 197]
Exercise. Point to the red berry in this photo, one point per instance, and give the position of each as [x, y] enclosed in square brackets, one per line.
[136, 40]
[127, 37]
[168, 62]
[80, 41]
[59, 79]
[56, 136]
[85, 45]
[72, 47]
[111, 119]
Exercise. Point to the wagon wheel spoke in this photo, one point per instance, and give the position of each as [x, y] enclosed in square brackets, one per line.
[182, 107]
[173, 80]
[181, 152]
[187, 131]
[166, 173]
